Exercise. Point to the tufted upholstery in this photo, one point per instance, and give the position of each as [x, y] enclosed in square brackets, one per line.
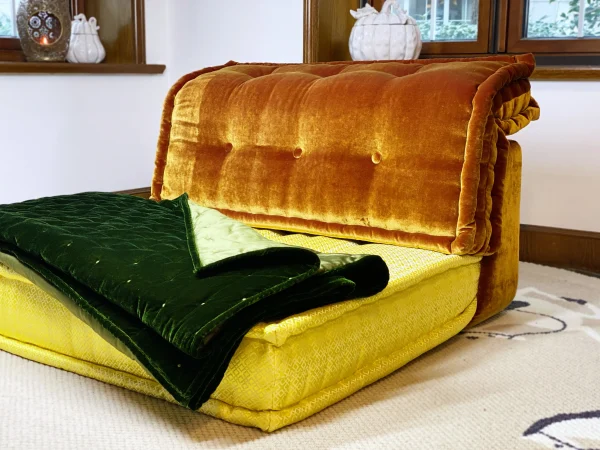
[395, 152]
[412, 153]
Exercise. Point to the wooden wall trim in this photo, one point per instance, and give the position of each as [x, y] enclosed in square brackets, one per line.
[557, 247]
[122, 29]
[139, 30]
[566, 73]
[68, 68]
[77, 7]
[139, 192]
[327, 26]
[311, 30]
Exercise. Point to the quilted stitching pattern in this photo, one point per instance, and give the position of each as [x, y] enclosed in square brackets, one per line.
[111, 253]
[131, 251]
[267, 144]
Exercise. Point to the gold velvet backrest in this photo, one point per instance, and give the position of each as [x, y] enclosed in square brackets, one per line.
[399, 152]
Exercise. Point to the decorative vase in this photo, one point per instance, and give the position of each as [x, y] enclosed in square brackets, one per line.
[390, 34]
[85, 44]
[44, 29]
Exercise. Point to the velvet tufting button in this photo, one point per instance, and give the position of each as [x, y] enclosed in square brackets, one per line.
[297, 152]
[228, 147]
[376, 158]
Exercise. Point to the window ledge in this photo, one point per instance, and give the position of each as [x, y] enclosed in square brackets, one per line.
[541, 72]
[41, 67]
[566, 73]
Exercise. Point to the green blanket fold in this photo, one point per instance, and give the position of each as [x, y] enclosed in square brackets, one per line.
[173, 284]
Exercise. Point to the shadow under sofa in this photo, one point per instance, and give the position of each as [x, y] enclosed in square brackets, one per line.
[408, 160]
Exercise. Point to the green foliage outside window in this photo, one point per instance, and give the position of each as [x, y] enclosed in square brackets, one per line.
[451, 31]
[567, 23]
[565, 26]
[5, 25]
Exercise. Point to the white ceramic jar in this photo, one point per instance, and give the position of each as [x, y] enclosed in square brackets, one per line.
[85, 46]
[390, 34]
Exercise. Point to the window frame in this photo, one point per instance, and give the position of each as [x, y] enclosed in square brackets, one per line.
[323, 43]
[7, 44]
[483, 43]
[501, 30]
[10, 49]
[516, 42]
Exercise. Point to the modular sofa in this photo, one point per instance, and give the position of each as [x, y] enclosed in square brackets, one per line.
[408, 160]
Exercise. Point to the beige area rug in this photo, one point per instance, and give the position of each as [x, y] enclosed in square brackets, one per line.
[529, 378]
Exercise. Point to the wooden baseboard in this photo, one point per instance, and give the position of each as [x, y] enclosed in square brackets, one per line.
[139, 192]
[557, 247]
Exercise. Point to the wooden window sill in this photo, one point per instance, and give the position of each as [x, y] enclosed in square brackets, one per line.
[566, 73]
[543, 71]
[41, 67]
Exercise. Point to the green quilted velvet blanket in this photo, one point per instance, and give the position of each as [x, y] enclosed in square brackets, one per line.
[172, 284]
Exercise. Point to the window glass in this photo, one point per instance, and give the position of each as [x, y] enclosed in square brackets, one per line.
[563, 18]
[445, 20]
[8, 25]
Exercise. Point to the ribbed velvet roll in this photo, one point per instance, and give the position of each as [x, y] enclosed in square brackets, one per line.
[500, 272]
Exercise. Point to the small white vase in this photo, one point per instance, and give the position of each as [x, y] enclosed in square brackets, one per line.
[85, 46]
[390, 34]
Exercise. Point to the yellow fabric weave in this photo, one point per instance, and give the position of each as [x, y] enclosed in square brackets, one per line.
[282, 372]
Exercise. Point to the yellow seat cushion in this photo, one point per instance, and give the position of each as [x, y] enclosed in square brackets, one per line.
[284, 371]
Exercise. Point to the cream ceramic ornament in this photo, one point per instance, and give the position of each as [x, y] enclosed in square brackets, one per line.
[390, 34]
[85, 46]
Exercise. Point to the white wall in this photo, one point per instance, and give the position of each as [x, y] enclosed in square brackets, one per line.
[207, 33]
[561, 157]
[61, 134]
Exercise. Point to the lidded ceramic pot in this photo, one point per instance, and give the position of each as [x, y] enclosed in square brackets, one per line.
[386, 35]
[85, 46]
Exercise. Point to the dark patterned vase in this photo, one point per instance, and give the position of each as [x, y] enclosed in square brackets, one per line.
[44, 29]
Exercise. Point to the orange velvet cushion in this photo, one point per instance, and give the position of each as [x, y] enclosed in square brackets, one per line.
[398, 152]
